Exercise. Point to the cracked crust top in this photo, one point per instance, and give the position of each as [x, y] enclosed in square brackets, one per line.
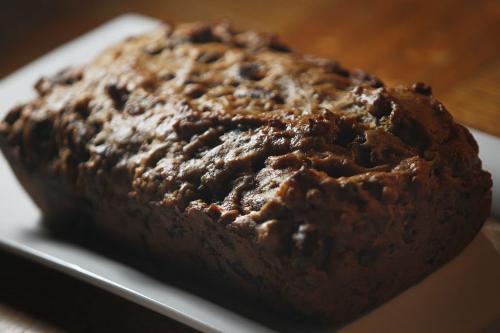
[284, 148]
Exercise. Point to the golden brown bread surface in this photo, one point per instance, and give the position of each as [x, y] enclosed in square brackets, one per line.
[301, 183]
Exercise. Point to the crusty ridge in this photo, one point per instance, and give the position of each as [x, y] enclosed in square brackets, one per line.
[293, 152]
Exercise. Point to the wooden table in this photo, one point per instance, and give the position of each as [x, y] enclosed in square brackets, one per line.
[452, 45]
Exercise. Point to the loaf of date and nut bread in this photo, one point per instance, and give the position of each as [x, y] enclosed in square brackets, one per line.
[310, 187]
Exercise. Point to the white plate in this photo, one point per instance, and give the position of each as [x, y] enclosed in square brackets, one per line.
[20, 233]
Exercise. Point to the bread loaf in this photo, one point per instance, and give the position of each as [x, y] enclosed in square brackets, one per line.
[300, 183]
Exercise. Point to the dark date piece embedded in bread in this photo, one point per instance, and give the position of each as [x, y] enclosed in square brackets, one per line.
[303, 184]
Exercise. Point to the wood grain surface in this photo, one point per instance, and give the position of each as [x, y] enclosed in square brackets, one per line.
[453, 45]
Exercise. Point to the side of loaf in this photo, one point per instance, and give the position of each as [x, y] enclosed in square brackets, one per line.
[313, 188]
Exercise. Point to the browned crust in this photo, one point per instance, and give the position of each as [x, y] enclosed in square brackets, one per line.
[302, 183]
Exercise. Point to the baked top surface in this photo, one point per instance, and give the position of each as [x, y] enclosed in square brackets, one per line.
[201, 117]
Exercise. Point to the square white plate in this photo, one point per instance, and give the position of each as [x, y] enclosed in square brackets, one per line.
[20, 233]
